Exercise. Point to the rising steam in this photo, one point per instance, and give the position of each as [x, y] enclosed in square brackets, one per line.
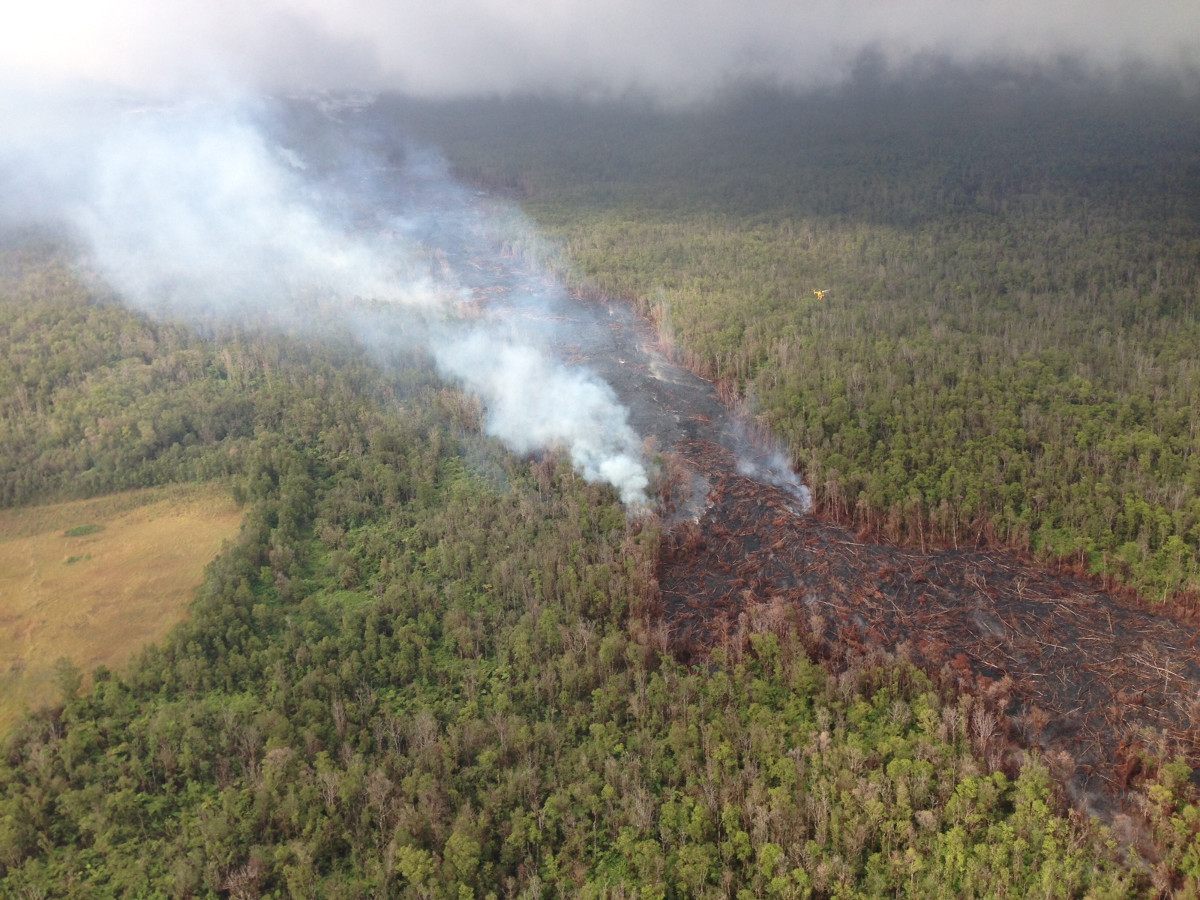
[191, 211]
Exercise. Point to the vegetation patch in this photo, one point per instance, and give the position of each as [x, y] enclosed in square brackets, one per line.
[82, 530]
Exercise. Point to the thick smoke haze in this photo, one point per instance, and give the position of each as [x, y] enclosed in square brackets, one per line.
[668, 49]
[192, 210]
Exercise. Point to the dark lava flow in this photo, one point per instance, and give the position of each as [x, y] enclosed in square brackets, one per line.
[1084, 675]
[1081, 674]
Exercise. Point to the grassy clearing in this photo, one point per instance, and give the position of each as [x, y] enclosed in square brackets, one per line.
[94, 580]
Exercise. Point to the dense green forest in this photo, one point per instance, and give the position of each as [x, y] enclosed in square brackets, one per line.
[1007, 349]
[431, 669]
[95, 400]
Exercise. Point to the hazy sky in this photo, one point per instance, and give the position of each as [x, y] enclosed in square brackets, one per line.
[672, 48]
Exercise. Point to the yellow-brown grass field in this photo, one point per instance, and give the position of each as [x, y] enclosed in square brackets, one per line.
[95, 580]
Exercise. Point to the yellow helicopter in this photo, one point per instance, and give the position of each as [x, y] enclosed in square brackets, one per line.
[820, 295]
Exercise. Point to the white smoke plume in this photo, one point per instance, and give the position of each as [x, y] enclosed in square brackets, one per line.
[534, 402]
[772, 467]
[190, 210]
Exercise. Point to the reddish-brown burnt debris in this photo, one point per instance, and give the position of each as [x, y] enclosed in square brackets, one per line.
[1087, 676]
[1082, 674]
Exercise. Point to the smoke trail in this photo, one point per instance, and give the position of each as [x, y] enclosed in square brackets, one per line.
[191, 211]
[760, 457]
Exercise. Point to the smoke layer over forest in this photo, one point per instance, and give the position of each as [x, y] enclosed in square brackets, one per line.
[194, 210]
[191, 208]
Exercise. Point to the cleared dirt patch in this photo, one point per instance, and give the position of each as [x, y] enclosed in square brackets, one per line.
[94, 580]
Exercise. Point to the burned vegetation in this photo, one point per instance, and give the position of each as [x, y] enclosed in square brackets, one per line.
[1100, 684]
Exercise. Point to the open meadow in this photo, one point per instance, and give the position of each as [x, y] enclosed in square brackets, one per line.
[95, 580]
